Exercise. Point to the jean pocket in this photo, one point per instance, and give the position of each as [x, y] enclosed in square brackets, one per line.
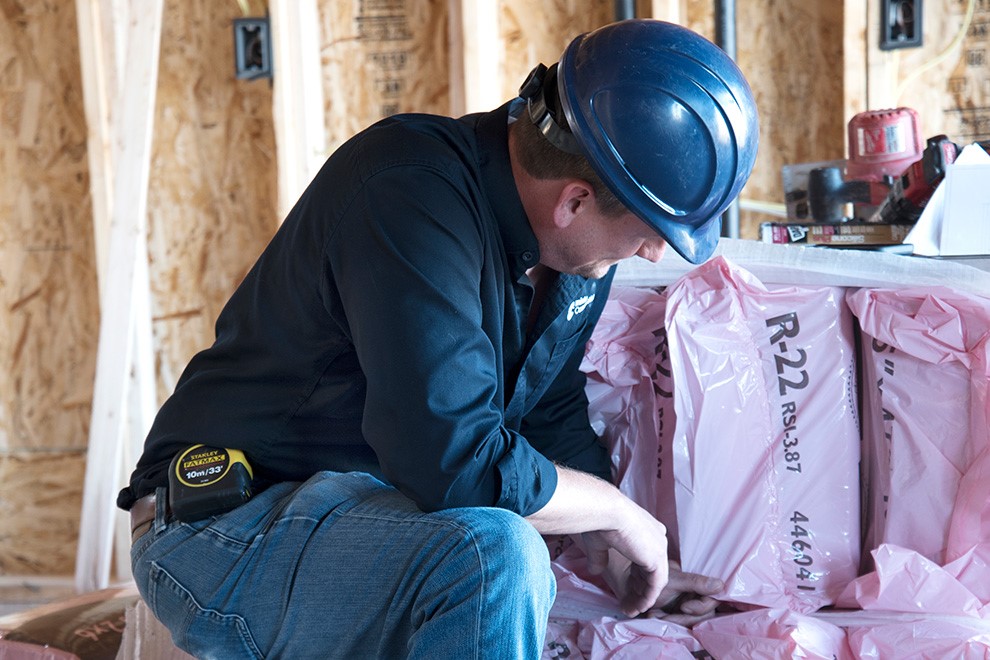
[140, 546]
[197, 630]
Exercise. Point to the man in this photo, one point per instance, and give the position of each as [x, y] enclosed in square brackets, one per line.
[400, 368]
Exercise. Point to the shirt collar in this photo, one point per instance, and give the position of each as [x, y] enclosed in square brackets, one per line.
[521, 247]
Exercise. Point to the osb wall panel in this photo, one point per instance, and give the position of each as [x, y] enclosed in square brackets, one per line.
[946, 80]
[212, 196]
[791, 53]
[965, 103]
[50, 313]
[537, 31]
[382, 57]
[699, 15]
[49, 318]
[40, 500]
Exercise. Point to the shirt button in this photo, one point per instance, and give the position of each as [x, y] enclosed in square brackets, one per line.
[527, 256]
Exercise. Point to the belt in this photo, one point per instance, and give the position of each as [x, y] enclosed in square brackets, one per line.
[142, 515]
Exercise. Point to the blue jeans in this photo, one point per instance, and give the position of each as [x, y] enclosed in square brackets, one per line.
[344, 566]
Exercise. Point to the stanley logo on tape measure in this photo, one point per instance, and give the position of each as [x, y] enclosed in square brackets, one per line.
[207, 481]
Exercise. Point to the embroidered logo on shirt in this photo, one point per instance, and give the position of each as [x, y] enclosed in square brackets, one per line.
[579, 306]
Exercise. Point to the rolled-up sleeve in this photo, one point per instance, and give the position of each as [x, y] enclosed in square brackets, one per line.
[528, 480]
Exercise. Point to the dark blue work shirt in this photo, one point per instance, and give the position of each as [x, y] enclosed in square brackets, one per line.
[384, 329]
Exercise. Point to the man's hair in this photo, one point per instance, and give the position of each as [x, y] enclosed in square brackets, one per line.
[542, 160]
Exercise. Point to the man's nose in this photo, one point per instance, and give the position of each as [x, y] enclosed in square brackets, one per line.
[652, 250]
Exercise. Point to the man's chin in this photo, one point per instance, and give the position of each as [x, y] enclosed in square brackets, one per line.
[593, 271]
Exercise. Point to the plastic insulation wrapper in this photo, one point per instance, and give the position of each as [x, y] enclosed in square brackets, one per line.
[925, 413]
[766, 447]
[843, 635]
[586, 622]
[771, 633]
[959, 640]
[630, 399]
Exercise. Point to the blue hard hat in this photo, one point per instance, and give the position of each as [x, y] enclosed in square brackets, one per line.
[663, 116]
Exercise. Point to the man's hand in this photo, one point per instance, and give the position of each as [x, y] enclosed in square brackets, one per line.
[627, 546]
[688, 597]
[635, 556]
[685, 598]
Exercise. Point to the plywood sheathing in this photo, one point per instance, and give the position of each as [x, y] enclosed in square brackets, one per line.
[212, 197]
[48, 325]
[212, 210]
[946, 80]
[382, 57]
[791, 51]
[537, 32]
[47, 278]
[39, 505]
[960, 85]
[139, 91]
[699, 15]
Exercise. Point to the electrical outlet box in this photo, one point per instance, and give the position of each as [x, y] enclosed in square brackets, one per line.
[252, 48]
[900, 24]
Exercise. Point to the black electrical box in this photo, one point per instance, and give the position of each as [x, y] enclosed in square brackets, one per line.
[900, 24]
[252, 48]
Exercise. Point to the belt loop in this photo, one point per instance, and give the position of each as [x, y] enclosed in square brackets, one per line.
[160, 508]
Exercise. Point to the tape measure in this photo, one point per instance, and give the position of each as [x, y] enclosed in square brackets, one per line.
[207, 481]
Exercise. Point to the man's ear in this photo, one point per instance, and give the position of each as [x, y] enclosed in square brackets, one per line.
[576, 196]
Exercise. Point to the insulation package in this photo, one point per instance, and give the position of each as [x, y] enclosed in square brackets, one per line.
[766, 446]
[925, 419]
[630, 400]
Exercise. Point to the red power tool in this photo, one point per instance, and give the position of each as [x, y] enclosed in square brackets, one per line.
[915, 186]
[881, 144]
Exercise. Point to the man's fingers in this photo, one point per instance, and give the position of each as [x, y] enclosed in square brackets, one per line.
[686, 620]
[643, 588]
[686, 596]
[635, 604]
[687, 610]
[682, 582]
[699, 606]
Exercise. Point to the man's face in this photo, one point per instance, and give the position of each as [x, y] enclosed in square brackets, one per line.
[595, 242]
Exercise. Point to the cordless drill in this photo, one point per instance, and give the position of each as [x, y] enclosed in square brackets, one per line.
[915, 186]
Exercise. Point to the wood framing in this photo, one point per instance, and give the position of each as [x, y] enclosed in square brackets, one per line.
[300, 133]
[123, 402]
[666, 10]
[476, 56]
[97, 58]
